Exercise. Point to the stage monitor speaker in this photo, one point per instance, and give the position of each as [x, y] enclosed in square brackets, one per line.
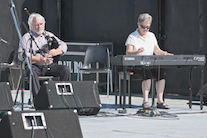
[6, 102]
[80, 95]
[204, 94]
[40, 124]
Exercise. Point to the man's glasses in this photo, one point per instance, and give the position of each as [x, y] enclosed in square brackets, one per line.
[145, 27]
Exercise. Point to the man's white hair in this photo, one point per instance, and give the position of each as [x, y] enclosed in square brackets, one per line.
[34, 15]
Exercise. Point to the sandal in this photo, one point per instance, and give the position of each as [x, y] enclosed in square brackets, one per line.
[146, 105]
[162, 106]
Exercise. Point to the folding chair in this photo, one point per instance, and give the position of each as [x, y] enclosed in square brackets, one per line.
[98, 55]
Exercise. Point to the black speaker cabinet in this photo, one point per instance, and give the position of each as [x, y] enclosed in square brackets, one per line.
[40, 124]
[80, 95]
[6, 102]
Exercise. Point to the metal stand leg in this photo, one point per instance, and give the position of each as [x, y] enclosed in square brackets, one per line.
[18, 86]
[124, 91]
[30, 101]
[129, 91]
[153, 92]
[120, 90]
[190, 89]
[201, 94]
[23, 84]
[115, 87]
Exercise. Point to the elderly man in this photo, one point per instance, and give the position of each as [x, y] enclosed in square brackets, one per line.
[42, 57]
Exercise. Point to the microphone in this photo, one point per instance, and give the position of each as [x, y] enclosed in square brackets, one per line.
[12, 3]
[4, 41]
[26, 11]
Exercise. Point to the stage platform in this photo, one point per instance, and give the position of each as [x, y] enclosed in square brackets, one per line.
[177, 122]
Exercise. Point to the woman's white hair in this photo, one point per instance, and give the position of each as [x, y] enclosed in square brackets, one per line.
[144, 17]
[34, 15]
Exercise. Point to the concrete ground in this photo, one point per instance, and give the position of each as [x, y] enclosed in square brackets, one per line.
[177, 122]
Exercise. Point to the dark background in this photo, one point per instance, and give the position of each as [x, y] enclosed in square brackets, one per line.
[179, 25]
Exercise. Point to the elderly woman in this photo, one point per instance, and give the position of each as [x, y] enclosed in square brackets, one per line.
[143, 42]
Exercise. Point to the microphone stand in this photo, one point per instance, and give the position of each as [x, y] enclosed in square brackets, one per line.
[31, 51]
[30, 76]
[25, 56]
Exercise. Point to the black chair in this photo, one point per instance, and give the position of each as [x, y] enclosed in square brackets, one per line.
[13, 65]
[100, 56]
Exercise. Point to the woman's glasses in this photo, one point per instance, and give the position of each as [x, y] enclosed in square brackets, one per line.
[145, 27]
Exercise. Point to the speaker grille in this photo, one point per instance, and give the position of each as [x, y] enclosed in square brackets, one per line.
[84, 96]
[57, 124]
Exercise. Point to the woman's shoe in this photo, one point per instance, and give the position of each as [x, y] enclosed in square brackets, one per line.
[146, 105]
[162, 106]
